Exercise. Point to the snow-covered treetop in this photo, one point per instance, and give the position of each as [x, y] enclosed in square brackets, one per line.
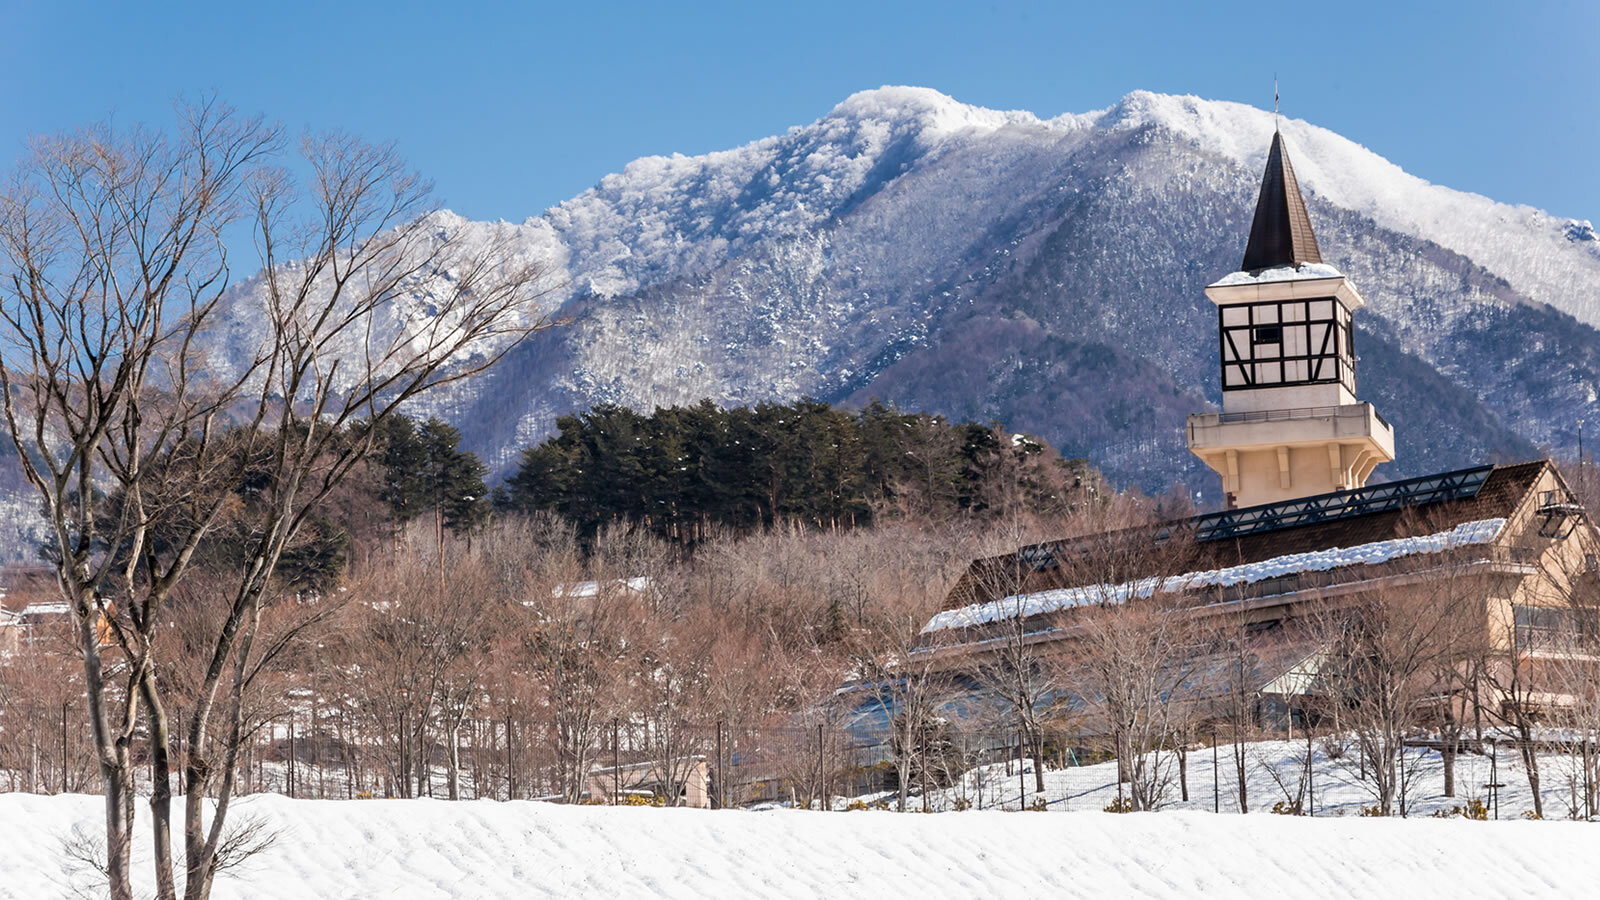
[674, 215]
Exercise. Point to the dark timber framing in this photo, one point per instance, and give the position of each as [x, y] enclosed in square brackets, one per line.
[1254, 344]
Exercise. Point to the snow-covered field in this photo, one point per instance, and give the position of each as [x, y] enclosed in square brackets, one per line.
[1272, 774]
[432, 848]
[437, 849]
[428, 848]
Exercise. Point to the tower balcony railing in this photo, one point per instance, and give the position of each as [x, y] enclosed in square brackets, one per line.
[1353, 423]
[1304, 412]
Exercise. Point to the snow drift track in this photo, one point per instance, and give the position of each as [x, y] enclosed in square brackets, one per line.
[423, 848]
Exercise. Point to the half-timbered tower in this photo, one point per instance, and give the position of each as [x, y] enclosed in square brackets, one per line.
[1290, 424]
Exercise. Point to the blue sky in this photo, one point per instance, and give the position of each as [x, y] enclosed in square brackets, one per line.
[513, 107]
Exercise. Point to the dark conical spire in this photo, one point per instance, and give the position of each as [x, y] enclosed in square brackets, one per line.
[1281, 234]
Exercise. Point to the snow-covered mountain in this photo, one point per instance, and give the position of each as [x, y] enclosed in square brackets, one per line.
[1045, 272]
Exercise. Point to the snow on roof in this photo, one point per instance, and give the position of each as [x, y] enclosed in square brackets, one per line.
[1302, 272]
[1023, 605]
[58, 608]
[637, 584]
[645, 764]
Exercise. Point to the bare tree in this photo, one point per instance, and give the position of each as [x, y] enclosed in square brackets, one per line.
[1571, 651]
[1535, 637]
[41, 698]
[1014, 663]
[1030, 683]
[1384, 653]
[1122, 608]
[114, 265]
[126, 426]
[574, 638]
[337, 353]
[1132, 662]
[414, 657]
[1238, 700]
[899, 672]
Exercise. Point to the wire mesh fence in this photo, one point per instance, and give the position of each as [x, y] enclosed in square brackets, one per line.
[336, 755]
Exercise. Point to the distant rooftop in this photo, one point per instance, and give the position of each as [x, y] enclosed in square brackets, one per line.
[1230, 541]
[1373, 553]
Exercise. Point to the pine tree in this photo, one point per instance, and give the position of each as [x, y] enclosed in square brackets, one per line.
[403, 459]
[452, 480]
[683, 469]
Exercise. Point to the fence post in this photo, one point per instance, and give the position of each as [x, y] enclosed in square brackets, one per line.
[288, 781]
[1216, 791]
[722, 776]
[1022, 778]
[822, 777]
[1494, 777]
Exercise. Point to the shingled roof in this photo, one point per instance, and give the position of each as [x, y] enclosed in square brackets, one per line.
[1034, 568]
[1281, 234]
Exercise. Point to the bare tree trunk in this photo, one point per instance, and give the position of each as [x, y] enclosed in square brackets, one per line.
[453, 760]
[1448, 754]
[1530, 759]
[118, 782]
[903, 773]
[1239, 770]
[1038, 760]
[116, 774]
[420, 758]
[403, 755]
[1183, 771]
[202, 843]
[160, 787]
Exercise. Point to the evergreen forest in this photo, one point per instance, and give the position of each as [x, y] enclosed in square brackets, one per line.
[685, 471]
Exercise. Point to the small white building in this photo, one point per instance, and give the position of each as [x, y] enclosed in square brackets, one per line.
[690, 782]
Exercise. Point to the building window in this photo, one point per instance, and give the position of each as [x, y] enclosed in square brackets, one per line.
[1267, 334]
[1549, 628]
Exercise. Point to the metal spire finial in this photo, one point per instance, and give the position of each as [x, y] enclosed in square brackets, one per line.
[1275, 102]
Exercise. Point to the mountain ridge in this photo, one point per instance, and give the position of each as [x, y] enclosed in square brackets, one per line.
[904, 234]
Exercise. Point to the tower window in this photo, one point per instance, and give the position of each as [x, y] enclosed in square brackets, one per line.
[1282, 343]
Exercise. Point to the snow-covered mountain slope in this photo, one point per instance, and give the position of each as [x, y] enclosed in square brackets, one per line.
[672, 216]
[1546, 258]
[425, 313]
[1046, 272]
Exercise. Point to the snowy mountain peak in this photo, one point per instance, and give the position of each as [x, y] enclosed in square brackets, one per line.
[1045, 272]
[935, 111]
